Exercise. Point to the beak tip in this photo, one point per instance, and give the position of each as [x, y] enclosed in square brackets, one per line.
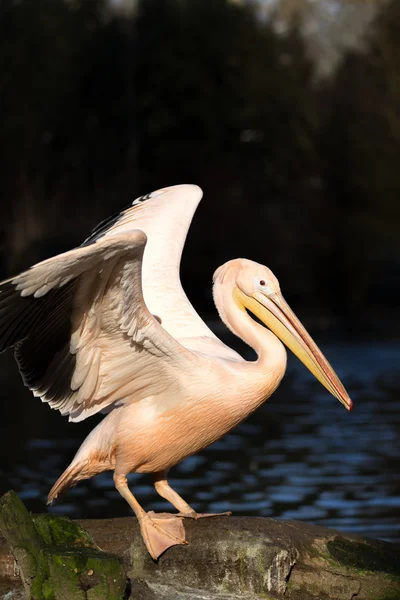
[349, 405]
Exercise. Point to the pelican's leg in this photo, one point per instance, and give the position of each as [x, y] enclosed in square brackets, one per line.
[185, 510]
[159, 531]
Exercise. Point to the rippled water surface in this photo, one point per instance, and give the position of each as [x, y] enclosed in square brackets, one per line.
[300, 456]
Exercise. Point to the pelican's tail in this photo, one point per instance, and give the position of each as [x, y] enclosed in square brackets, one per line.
[68, 479]
[96, 454]
[86, 464]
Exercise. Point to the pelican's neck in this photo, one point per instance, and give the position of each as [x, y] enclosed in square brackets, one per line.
[270, 351]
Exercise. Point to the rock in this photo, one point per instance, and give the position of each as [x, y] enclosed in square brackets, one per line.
[11, 591]
[141, 591]
[226, 559]
[249, 558]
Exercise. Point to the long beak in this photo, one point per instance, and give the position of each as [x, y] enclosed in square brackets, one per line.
[276, 314]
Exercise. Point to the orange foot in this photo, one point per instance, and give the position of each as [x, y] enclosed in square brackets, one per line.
[161, 531]
[194, 515]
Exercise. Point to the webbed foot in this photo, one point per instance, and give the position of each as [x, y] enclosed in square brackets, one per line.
[160, 531]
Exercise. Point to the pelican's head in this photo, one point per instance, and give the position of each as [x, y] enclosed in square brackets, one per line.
[256, 289]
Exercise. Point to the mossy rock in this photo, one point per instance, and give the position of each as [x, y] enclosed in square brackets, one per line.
[365, 556]
[54, 531]
[58, 559]
[77, 574]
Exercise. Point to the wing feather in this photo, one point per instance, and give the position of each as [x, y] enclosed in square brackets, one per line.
[83, 331]
[83, 336]
[165, 216]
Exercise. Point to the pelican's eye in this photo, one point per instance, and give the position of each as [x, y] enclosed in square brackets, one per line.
[262, 282]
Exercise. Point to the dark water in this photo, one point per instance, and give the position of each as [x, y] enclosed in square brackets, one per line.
[300, 456]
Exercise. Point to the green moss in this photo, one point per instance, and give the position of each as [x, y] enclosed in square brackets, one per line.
[41, 589]
[47, 590]
[78, 574]
[391, 595]
[57, 557]
[63, 576]
[365, 556]
[60, 530]
[76, 567]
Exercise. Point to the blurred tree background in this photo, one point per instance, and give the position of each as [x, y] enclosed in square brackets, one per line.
[286, 113]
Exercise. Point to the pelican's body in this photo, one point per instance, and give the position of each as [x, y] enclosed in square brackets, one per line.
[107, 327]
[155, 433]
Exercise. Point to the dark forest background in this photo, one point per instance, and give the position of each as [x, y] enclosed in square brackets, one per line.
[300, 173]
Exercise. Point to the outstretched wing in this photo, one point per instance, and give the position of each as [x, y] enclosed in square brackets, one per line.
[82, 333]
[165, 216]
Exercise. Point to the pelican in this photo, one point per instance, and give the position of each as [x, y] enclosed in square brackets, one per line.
[106, 327]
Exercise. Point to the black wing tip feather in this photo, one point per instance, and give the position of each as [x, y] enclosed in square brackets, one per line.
[101, 229]
[47, 343]
[14, 310]
[39, 330]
